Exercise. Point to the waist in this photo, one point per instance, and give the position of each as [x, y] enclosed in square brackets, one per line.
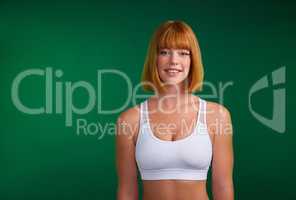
[174, 189]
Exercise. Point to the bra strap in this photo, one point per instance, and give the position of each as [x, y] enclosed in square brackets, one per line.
[203, 111]
[143, 112]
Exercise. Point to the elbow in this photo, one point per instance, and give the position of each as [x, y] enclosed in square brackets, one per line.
[223, 191]
[124, 193]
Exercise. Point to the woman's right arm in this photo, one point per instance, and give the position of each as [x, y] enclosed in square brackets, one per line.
[126, 127]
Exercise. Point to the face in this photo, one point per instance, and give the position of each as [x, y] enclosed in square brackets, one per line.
[173, 65]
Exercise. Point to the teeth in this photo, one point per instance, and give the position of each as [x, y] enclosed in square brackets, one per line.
[173, 70]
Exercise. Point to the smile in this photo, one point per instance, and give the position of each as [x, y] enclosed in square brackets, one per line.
[172, 70]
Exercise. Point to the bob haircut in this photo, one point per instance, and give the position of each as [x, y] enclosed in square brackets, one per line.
[176, 35]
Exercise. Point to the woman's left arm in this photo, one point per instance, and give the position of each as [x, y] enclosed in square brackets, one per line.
[222, 162]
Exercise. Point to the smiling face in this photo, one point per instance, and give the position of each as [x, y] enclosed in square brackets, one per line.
[173, 65]
[173, 57]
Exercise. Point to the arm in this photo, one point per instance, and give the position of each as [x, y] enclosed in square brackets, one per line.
[222, 163]
[125, 157]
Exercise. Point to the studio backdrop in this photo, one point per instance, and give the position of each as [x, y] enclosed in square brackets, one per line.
[68, 69]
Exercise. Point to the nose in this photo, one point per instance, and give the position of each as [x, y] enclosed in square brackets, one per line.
[173, 58]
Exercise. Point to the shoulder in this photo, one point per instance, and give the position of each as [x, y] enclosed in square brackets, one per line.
[128, 122]
[218, 118]
[130, 115]
[217, 110]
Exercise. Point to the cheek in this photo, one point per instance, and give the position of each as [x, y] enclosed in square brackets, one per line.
[161, 63]
[161, 60]
[186, 65]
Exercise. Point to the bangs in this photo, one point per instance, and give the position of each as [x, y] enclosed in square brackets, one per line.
[174, 38]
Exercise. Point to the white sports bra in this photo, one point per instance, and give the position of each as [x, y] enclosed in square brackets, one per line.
[188, 158]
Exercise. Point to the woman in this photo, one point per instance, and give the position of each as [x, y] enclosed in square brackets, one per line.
[154, 138]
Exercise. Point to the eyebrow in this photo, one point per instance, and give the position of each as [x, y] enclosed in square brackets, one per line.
[174, 49]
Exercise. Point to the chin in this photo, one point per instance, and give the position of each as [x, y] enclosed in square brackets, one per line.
[173, 81]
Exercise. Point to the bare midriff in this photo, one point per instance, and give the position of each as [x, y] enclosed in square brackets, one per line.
[174, 190]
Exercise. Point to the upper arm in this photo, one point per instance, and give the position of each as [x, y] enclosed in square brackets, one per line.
[126, 127]
[222, 162]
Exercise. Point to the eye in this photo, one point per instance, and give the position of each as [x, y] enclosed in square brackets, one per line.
[184, 53]
[163, 52]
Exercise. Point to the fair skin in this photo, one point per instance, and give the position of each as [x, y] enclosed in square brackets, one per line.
[219, 128]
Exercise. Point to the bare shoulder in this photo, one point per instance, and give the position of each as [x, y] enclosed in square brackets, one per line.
[218, 119]
[217, 110]
[130, 115]
[128, 122]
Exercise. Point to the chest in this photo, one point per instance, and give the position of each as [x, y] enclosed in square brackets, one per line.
[172, 126]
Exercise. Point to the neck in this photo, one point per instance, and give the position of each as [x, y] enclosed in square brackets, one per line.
[174, 97]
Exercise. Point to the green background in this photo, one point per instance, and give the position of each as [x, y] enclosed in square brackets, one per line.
[41, 158]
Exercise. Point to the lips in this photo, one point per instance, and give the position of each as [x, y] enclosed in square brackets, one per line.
[172, 70]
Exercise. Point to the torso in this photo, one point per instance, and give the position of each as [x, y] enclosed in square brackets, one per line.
[174, 189]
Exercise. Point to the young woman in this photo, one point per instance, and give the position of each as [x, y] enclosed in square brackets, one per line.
[172, 138]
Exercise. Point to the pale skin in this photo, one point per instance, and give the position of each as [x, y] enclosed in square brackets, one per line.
[219, 128]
